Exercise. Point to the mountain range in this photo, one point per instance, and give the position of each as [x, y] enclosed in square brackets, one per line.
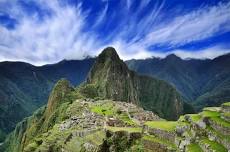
[203, 82]
[118, 110]
[25, 87]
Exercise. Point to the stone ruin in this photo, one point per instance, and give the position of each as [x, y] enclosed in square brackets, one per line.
[88, 120]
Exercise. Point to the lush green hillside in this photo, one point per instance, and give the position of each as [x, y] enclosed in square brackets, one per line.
[202, 82]
[73, 123]
[24, 87]
[19, 87]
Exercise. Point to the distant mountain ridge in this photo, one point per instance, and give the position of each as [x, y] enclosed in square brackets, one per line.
[204, 82]
[24, 87]
[100, 115]
[108, 79]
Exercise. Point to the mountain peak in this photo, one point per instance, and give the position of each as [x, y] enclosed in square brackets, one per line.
[110, 75]
[108, 62]
[172, 56]
[110, 78]
[108, 53]
[59, 92]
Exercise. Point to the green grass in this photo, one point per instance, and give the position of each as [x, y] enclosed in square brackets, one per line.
[128, 129]
[193, 148]
[181, 118]
[74, 145]
[214, 145]
[164, 125]
[159, 140]
[208, 113]
[215, 116]
[226, 114]
[125, 118]
[226, 104]
[96, 138]
[105, 108]
[182, 122]
[221, 122]
[195, 117]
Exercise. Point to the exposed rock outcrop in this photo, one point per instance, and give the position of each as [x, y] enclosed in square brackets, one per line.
[110, 78]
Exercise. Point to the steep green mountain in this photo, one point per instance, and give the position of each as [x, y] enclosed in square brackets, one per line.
[111, 79]
[19, 87]
[24, 87]
[71, 122]
[203, 82]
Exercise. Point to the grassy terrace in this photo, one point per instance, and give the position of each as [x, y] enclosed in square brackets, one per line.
[226, 104]
[218, 134]
[226, 114]
[96, 138]
[195, 117]
[128, 129]
[159, 140]
[207, 113]
[193, 148]
[217, 109]
[163, 125]
[215, 116]
[105, 108]
[214, 145]
[125, 118]
[221, 122]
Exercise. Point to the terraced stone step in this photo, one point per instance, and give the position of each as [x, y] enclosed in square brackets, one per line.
[226, 116]
[162, 129]
[220, 125]
[157, 144]
[220, 138]
[210, 146]
[225, 107]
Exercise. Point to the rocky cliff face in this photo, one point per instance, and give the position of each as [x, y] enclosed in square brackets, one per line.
[112, 79]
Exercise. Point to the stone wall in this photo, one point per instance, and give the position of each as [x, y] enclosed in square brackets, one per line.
[119, 140]
[225, 117]
[224, 142]
[220, 128]
[162, 134]
[225, 108]
[154, 146]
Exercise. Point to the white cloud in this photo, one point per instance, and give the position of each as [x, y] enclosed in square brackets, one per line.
[127, 52]
[210, 53]
[102, 15]
[198, 25]
[128, 3]
[58, 37]
[62, 35]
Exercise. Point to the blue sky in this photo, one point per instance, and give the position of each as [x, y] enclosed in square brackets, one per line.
[47, 31]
